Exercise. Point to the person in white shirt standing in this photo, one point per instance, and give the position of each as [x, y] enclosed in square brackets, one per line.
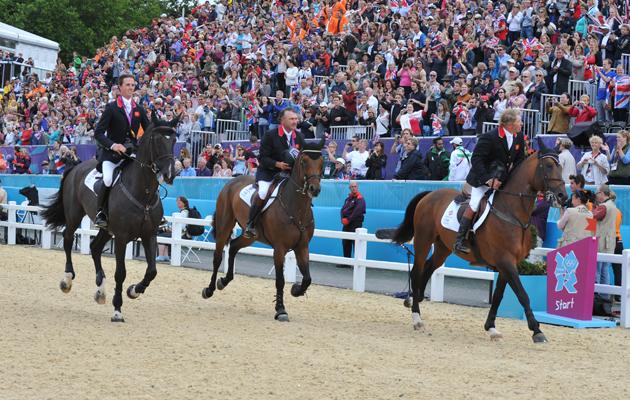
[357, 159]
[460, 161]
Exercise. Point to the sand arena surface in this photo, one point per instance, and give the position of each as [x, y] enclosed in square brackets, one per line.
[338, 345]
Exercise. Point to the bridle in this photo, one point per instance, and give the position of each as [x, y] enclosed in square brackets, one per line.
[153, 166]
[307, 178]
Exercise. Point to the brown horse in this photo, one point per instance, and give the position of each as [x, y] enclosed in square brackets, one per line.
[500, 243]
[286, 225]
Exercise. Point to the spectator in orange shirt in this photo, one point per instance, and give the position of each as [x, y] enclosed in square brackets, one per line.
[335, 26]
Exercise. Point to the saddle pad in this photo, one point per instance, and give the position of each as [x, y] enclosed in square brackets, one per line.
[449, 219]
[93, 177]
[248, 191]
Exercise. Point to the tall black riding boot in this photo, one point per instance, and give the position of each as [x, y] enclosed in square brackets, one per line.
[101, 218]
[254, 212]
[459, 247]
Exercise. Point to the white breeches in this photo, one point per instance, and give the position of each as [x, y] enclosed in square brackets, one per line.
[263, 189]
[476, 196]
[108, 172]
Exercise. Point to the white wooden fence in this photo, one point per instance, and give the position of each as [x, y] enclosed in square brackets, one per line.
[359, 262]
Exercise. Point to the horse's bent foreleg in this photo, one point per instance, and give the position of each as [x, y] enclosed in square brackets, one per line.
[68, 240]
[96, 247]
[222, 235]
[497, 296]
[511, 275]
[150, 247]
[278, 262]
[121, 274]
[302, 258]
[235, 245]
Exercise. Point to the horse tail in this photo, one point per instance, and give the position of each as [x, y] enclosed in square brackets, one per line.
[213, 230]
[404, 232]
[54, 213]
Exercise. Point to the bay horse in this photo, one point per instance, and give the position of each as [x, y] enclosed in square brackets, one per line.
[135, 210]
[500, 243]
[286, 225]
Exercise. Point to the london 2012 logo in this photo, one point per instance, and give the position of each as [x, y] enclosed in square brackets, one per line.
[565, 272]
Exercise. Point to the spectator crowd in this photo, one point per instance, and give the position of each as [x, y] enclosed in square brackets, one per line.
[405, 69]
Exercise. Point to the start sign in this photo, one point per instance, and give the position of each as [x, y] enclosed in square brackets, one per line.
[571, 279]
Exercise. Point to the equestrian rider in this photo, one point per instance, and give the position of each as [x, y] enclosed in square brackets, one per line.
[502, 144]
[272, 159]
[116, 131]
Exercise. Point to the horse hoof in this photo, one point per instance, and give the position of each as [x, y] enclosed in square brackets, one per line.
[99, 297]
[295, 290]
[539, 338]
[419, 327]
[220, 285]
[117, 317]
[131, 292]
[407, 302]
[206, 293]
[64, 286]
[282, 317]
[497, 337]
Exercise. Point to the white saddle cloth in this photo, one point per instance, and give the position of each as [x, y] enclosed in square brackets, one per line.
[449, 219]
[93, 177]
[247, 192]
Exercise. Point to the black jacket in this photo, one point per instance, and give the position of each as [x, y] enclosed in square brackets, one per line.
[411, 167]
[437, 164]
[564, 74]
[375, 164]
[272, 147]
[113, 128]
[343, 113]
[492, 146]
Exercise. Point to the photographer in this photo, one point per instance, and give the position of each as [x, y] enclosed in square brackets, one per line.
[166, 231]
[560, 119]
[70, 157]
[581, 110]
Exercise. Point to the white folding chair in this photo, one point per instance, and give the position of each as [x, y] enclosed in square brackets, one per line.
[206, 233]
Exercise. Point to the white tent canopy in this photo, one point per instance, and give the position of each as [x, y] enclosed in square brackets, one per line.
[43, 51]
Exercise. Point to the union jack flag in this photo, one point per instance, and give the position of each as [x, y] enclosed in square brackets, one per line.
[492, 42]
[435, 45]
[394, 3]
[295, 89]
[531, 44]
[251, 114]
[461, 111]
[59, 164]
[593, 24]
[437, 128]
[622, 91]
[69, 134]
[406, 3]
[178, 86]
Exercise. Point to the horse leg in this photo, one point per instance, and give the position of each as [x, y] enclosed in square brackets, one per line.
[302, 258]
[150, 247]
[511, 275]
[121, 274]
[221, 238]
[440, 253]
[235, 245]
[68, 240]
[278, 262]
[416, 277]
[497, 296]
[96, 248]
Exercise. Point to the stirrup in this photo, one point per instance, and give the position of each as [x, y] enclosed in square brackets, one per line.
[100, 220]
[250, 232]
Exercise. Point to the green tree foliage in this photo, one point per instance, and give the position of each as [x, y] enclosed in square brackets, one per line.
[79, 25]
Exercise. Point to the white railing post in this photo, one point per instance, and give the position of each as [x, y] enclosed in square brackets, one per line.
[12, 231]
[437, 286]
[129, 251]
[176, 234]
[360, 255]
[625, 286]
[85, 237]
[46, 236]
[290, 267]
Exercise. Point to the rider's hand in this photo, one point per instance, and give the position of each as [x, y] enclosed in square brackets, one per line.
[282, 165]
[493, 183]
[119, 148]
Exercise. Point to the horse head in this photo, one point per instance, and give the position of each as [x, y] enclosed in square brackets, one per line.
[550, 181]
[157, 150]
[309, 166]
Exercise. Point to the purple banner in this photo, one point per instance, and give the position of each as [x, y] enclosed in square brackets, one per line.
[571, 279]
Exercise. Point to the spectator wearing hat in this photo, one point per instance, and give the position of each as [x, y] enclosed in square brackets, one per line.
[460, 163]
[511, 80]
[45, 170]
[339, 173]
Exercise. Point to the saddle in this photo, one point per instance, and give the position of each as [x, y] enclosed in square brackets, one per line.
[277, 180]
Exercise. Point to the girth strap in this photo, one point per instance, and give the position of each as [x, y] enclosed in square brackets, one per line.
[146, 208]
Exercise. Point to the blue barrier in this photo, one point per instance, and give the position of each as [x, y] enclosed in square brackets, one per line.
[386, 203]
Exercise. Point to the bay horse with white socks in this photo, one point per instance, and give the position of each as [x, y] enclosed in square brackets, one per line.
[500, 243]
[286, 225]
[135, 210]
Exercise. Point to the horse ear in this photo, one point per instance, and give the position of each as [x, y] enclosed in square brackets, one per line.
[154, 118]
[543, 149]
[301, 141]
[322, 142]
[173, 123]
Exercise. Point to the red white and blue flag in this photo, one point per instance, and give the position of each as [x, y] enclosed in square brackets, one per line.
[251, 114]
[178, 86]
[593, 24]
[492, 42]
[437, 127]
[461, 111]
[59, 164]
[622, 91]
[394, 3]
[530, 44]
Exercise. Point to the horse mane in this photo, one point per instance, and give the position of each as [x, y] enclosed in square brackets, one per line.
[518, 167]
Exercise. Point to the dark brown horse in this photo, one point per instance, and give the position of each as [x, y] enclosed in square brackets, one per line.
[135, 210]
[286, 225]
[500, 243]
